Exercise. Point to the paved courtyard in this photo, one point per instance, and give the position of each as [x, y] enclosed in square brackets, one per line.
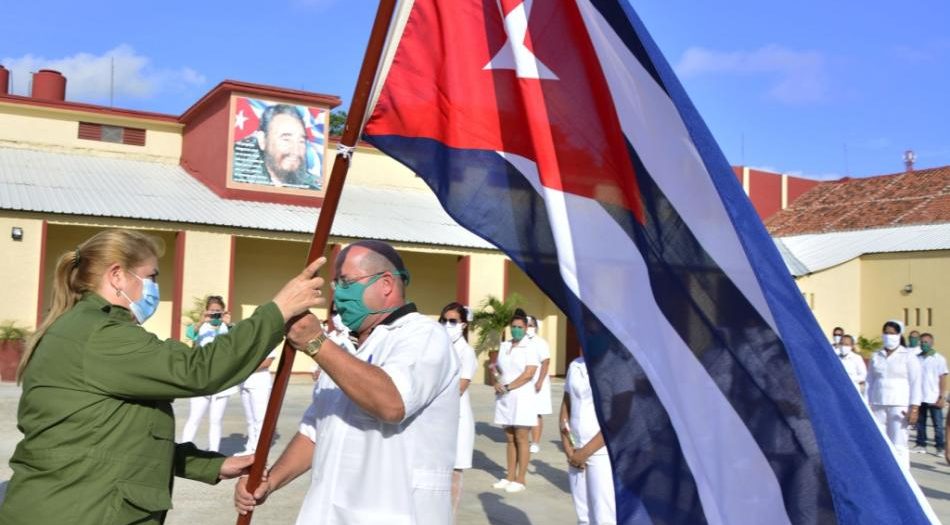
[547, 500]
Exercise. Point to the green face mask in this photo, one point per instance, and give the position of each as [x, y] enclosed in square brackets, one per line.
[914, 341]
[926, 349]
[349, 303]
[517, 333]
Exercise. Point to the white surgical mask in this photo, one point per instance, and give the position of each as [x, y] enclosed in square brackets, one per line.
[891, 341]
[531, 331]
[844, 350]
[454, 331]
[837, 339]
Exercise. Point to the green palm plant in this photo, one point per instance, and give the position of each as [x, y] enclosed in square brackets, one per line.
[193, 316]
[491, 319]
[9, 331]
[866, 346]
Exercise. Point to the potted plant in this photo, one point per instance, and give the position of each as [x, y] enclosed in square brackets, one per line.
[12, 343]
[491, 319]
[193, 317]
[866, 347]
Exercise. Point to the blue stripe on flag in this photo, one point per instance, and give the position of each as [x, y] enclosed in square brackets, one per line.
[482, 192]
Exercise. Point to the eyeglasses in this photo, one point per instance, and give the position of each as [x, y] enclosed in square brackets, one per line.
[450, 322]
[344, 283]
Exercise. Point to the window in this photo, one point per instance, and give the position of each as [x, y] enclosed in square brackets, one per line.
[906, 316]
[930, 317]
[114, 134]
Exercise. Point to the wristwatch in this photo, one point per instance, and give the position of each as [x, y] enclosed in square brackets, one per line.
[313, 345]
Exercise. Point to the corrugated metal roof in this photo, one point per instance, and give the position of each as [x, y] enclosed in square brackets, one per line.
[65, 183]
[810, 253]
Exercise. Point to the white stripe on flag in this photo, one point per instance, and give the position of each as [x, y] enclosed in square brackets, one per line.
[654, 127]
[735, 482]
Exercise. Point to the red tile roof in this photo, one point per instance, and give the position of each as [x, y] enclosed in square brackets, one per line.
[918, 197]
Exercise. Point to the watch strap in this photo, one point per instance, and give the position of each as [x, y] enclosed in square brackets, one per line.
[314, 345]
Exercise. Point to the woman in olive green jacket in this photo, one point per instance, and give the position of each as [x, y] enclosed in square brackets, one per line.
[96, 413]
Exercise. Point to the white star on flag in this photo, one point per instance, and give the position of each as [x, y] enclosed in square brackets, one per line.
[240, 119]
[515, 54]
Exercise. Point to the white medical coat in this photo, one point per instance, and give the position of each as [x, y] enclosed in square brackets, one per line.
[894, 380]
[366, 471]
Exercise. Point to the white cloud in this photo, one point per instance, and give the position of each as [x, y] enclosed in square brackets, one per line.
[88, 76]
[797, 76]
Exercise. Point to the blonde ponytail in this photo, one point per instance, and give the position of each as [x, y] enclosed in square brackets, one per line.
[81, 271]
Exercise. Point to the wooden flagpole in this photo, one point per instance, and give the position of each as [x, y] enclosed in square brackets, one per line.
[341, 164]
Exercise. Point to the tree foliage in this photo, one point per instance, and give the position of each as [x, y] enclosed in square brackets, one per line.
[491, 319]
[337, 122]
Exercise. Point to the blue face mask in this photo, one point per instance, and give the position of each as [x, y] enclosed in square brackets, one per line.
[148, 304]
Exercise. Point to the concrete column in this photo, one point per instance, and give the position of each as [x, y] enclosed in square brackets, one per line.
[22, 264]
[206, 270]
[486, 277]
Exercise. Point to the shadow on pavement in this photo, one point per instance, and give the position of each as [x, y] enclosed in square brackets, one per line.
[500, 513]
[934, 493]
[496, 434]
[483, 462]
[232, 444]
[556, 477]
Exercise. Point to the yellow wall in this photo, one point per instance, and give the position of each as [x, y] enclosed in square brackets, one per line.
[553, 322]
[883, 277]
[261, 268]
[57, 129]
[486, 277]
[20, 266]
[834, 296]
[207, 268]
[433, 282]
[861, 294]
[370, 167]
[65, 238]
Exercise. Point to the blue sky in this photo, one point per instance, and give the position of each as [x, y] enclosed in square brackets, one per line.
[817, 88]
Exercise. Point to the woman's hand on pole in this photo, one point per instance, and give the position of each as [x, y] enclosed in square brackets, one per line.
[302, 292]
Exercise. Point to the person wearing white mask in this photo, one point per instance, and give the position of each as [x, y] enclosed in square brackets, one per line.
[541, 381]
[895, 389]
[836, 336]
[853, 363]
[589, 471]
[454, 318]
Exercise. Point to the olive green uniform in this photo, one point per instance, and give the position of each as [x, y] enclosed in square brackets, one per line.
[96, 415]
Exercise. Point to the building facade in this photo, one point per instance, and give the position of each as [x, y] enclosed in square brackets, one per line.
[865, 251]
[68, 170]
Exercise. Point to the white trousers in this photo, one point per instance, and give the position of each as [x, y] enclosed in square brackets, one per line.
[593, 492]
[892, 421]
[255, 406]
[197, 409]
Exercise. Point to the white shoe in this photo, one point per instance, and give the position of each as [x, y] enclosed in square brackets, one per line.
[534, 448]
[501, 483]
[514, 486]
[917, 449]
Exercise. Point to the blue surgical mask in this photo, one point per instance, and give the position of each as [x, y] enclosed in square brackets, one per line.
[148, 304]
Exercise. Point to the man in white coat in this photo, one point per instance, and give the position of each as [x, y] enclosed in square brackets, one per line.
[380, 434]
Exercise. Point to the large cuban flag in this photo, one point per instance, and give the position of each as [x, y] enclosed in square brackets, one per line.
[556, 130]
